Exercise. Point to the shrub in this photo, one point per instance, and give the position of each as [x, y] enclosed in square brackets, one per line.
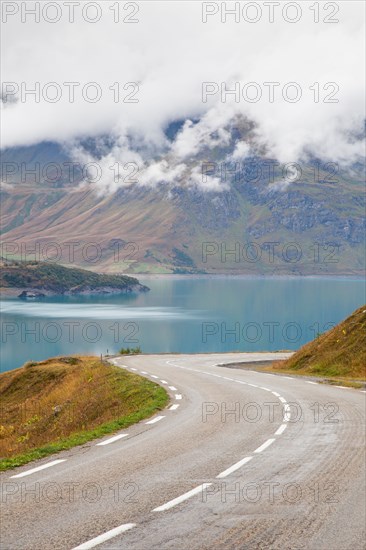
[130, 351]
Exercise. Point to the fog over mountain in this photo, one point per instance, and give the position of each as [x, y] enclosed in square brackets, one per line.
[167, 57]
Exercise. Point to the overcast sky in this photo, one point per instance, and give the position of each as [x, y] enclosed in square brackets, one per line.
[170, 52]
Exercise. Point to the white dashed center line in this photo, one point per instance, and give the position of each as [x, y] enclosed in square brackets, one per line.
[182, 498]
[281, 429]
[287, 415]
[154, 420]
[112, 439]
[234, 467]
[265, 445]
[168, 505]
[106, 536]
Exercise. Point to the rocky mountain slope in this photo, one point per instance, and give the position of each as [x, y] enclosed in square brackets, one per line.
[259, 221]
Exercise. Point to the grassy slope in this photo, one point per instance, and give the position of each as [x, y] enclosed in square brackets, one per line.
[40, 275]
[66, 401]
[339, 353]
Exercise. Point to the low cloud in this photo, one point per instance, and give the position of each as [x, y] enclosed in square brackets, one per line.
[169, 54]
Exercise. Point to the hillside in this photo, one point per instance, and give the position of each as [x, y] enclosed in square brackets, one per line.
[254, 225]
[65, 401]
[338, 353]
[48, 279]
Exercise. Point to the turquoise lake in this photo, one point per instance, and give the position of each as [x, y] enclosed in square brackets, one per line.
[179, 314]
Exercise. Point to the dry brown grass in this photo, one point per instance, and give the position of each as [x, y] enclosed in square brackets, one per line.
[59, 398]
[339, 353]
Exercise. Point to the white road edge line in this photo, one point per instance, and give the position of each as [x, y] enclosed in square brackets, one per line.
[133, 368]
[173, 388]
[39, 468]
[111, 440]
[310, 382]
[281, 429]
[106, 536]
[173, 407]
[163, 381]
[156, 419]
[178, 396]
[154, 376]
[234, 467]
[265, 445]
[182, 498]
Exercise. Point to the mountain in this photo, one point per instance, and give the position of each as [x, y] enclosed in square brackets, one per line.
[259, 222]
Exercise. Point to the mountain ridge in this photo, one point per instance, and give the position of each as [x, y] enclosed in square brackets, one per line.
[311, 226]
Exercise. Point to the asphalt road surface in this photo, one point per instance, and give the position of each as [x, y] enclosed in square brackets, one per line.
[238, 460]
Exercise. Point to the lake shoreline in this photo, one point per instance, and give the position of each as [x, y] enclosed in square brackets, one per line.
[182, 276]
[15, 292]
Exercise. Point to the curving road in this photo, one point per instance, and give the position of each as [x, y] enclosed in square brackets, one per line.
[238, 460]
